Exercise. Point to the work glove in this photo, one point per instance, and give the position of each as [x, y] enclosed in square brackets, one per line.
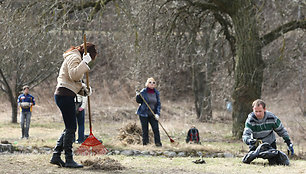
[86, 58]
[290, 149]
[84, 90]
[88, 92]
[138, 97]
[156, 116]
[251, 141]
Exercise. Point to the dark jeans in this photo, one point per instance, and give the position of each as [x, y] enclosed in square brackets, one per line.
[67, 107]
[145, 129]
[81, 119]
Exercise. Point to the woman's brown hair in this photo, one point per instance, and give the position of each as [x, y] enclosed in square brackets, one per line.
[91, 49]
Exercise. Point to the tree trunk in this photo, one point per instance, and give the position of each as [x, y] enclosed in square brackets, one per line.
[14, 111]
[13, 101]
[202, 96]
[201, 72]
[249, 64]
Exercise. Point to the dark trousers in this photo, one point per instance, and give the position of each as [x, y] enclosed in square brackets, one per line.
[252, 147]
[81, 126]
[67, 107]
[145, 129]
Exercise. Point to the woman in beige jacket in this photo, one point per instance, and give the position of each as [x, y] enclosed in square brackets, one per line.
[69, 84]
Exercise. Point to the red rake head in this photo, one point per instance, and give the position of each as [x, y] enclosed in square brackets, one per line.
[91, 146]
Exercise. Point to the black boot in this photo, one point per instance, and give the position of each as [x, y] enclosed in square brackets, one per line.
[68, 141]
[56, 158]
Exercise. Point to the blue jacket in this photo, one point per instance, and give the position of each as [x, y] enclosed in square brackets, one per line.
[26, 98]
[143, 109]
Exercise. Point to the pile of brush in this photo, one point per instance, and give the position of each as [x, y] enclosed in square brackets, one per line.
[132, 134]
[107, 164]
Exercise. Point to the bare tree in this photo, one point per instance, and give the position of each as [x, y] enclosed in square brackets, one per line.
[238, 20]
[240, 26]
[132, 33]
[28, 52]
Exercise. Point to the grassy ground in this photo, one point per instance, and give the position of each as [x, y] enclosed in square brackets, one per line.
[107, 121]
[32, 164]
[45, 134]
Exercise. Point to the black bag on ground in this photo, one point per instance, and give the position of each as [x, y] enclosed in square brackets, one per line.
[193, 136]
[266, 151]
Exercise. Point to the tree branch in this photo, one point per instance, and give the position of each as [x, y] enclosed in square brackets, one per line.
[229, 37]
[95, 4]
[204, 6]
[6, 87]
[223, 5]
[70, 7]
[225, 27]
[273, 35]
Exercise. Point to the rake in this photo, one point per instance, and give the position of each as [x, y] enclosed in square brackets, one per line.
[171, 140]
[91, 146]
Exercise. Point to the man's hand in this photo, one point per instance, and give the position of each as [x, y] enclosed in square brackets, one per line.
[290, 149]
[251, 141]
[81, 109]
[156, 116]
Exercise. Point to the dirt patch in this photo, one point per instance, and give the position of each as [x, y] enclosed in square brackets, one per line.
[132, 134]
[5, 142]
[301, 156]
[107, 164]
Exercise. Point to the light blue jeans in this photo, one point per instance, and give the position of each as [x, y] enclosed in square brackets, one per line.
[25, 119]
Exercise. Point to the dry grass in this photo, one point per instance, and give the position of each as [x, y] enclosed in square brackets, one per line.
[117, 110]
[108, 118]
[36, 164]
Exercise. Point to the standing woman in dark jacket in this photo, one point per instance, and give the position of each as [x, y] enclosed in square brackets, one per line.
[151, 95]
[69, 84]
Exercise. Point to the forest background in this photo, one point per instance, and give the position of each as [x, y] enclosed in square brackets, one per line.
[202, 53]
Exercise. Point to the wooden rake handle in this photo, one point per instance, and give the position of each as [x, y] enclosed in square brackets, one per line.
[87, 84]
